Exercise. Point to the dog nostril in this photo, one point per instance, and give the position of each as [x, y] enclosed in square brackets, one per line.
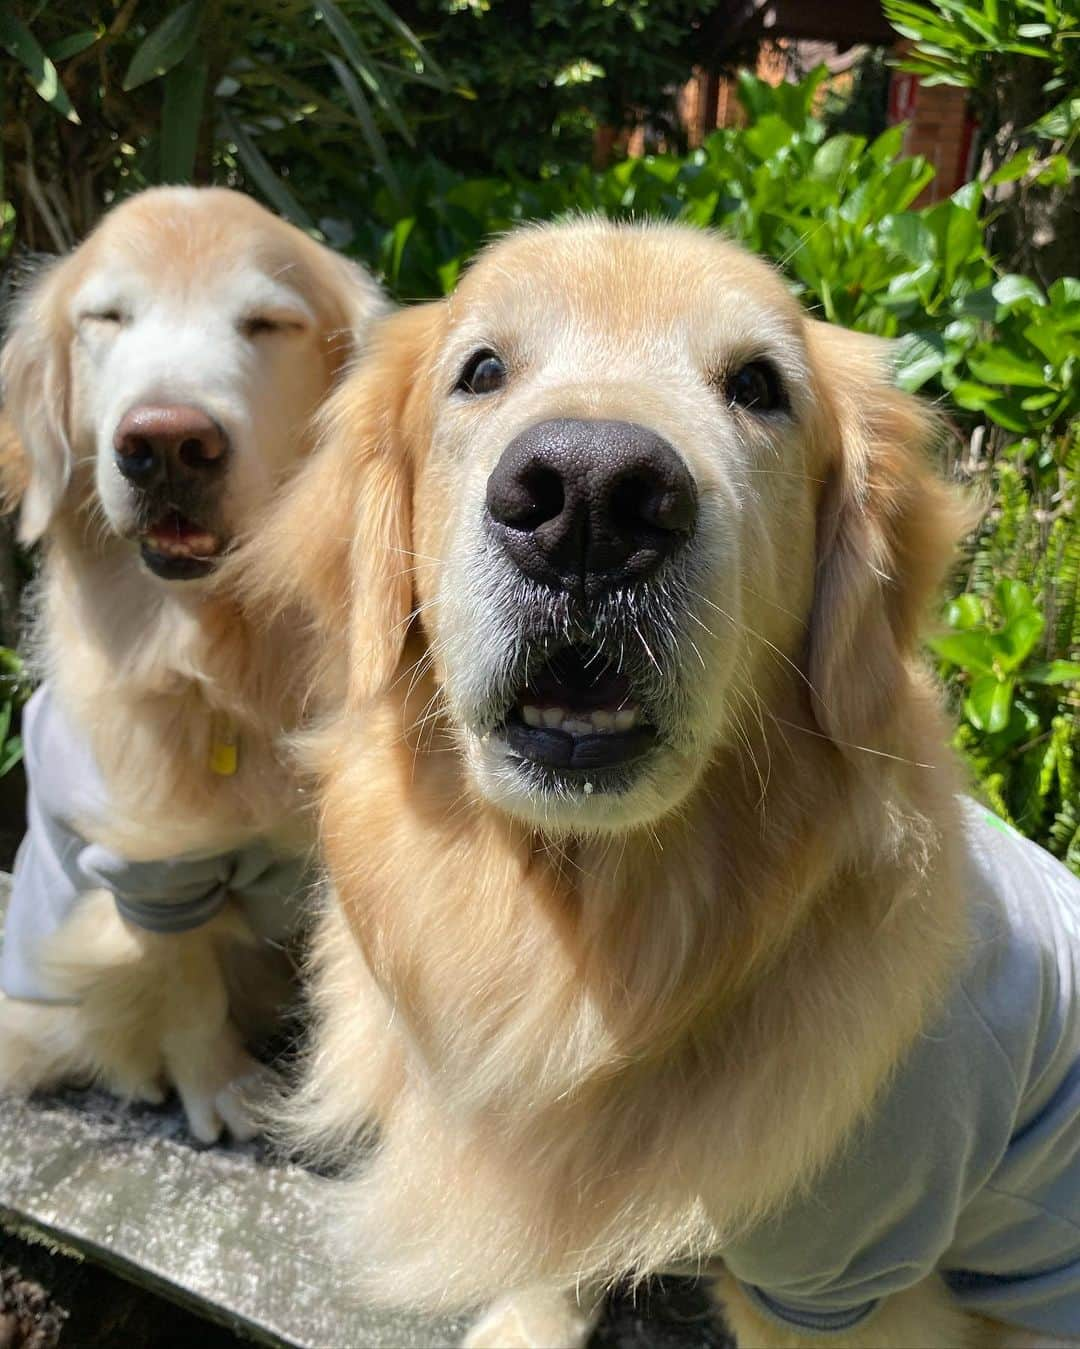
[526, 499]
[546, 496]
[642, 498]
[135, 456]
[193, 453]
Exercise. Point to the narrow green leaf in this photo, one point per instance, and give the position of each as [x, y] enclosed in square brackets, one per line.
[25, 48]
[361, 61]
[185, 89]
[74, 43]
[166, 46]
[11, 755]
[399, 26]
[368, 127]
[269, 184]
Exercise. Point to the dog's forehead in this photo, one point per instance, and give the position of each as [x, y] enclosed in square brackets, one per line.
[625, 280]
[184, 242]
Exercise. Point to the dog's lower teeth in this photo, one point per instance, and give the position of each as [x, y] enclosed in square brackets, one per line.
[580, 723]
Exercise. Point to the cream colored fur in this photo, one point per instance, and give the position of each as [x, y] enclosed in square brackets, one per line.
[144, 667]
[566, 1041]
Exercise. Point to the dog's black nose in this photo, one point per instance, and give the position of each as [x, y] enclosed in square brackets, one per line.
[585, 505]
[152, 442]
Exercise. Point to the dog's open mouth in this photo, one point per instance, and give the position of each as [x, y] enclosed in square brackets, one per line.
[578, 714]
[178, 549]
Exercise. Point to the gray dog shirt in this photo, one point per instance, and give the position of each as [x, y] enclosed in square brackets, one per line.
[56, 865]
[969, 1162]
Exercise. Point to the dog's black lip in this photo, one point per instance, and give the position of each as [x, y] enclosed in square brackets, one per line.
[176, 568]
[568, 753]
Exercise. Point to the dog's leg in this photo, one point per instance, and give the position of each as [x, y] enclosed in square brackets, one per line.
[539, 1317]
[923, 1317]
[147, 1010]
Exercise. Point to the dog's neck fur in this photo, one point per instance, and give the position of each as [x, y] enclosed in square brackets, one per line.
[151, 673]
[616, 995]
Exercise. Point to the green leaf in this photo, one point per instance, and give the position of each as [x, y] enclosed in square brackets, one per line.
[909, 234]
[364, 116]
[1060, 122]
[989, 703]
[361, 61]
[1066, 290]
[185, 88]
[1012, 289]
[1013, 597]
[1054, 672]
[25, 48]
[74, 43]
[1055, 172]
[834, 157]
[1015, 167]
[998, 365]
[269, 184]
[919, 357]
[399, 26]
[975, 397]
[11, 754]
[964, 612]
[971, 650]
[166, 46]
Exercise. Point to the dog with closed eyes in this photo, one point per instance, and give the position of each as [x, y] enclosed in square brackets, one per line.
[657, 935]
[162, 381]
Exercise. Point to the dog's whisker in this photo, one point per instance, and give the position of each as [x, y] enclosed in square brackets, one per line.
[847, 744]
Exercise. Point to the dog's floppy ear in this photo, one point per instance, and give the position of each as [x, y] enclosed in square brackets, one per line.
[887, 530]
[349, 301]
[337, 542]
[34, 373]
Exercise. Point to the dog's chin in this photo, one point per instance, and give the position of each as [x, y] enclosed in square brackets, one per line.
[579, 801]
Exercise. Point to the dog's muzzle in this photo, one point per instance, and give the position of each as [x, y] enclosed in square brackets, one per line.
[174, 458]
[588, 511]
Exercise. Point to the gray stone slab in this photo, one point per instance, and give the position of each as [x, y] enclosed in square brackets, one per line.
[232, 1232]
[220, 1229]
[228, 1230]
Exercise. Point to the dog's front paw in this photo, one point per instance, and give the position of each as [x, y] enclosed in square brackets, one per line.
[220, 1086]
[536, 1318]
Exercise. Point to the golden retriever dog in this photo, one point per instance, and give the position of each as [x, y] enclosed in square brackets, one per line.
[162, 380]
[658, 937]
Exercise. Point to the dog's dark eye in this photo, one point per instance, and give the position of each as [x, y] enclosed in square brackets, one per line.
[258, 324]
[104, 316]
[756, 386]
[484, 373]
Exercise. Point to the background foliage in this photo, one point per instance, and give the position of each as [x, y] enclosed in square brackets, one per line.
[997, 345]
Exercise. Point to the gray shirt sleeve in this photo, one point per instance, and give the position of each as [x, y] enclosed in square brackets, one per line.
[969, 1163]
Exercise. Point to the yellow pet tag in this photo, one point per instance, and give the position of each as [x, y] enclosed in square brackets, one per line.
[224, 746]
